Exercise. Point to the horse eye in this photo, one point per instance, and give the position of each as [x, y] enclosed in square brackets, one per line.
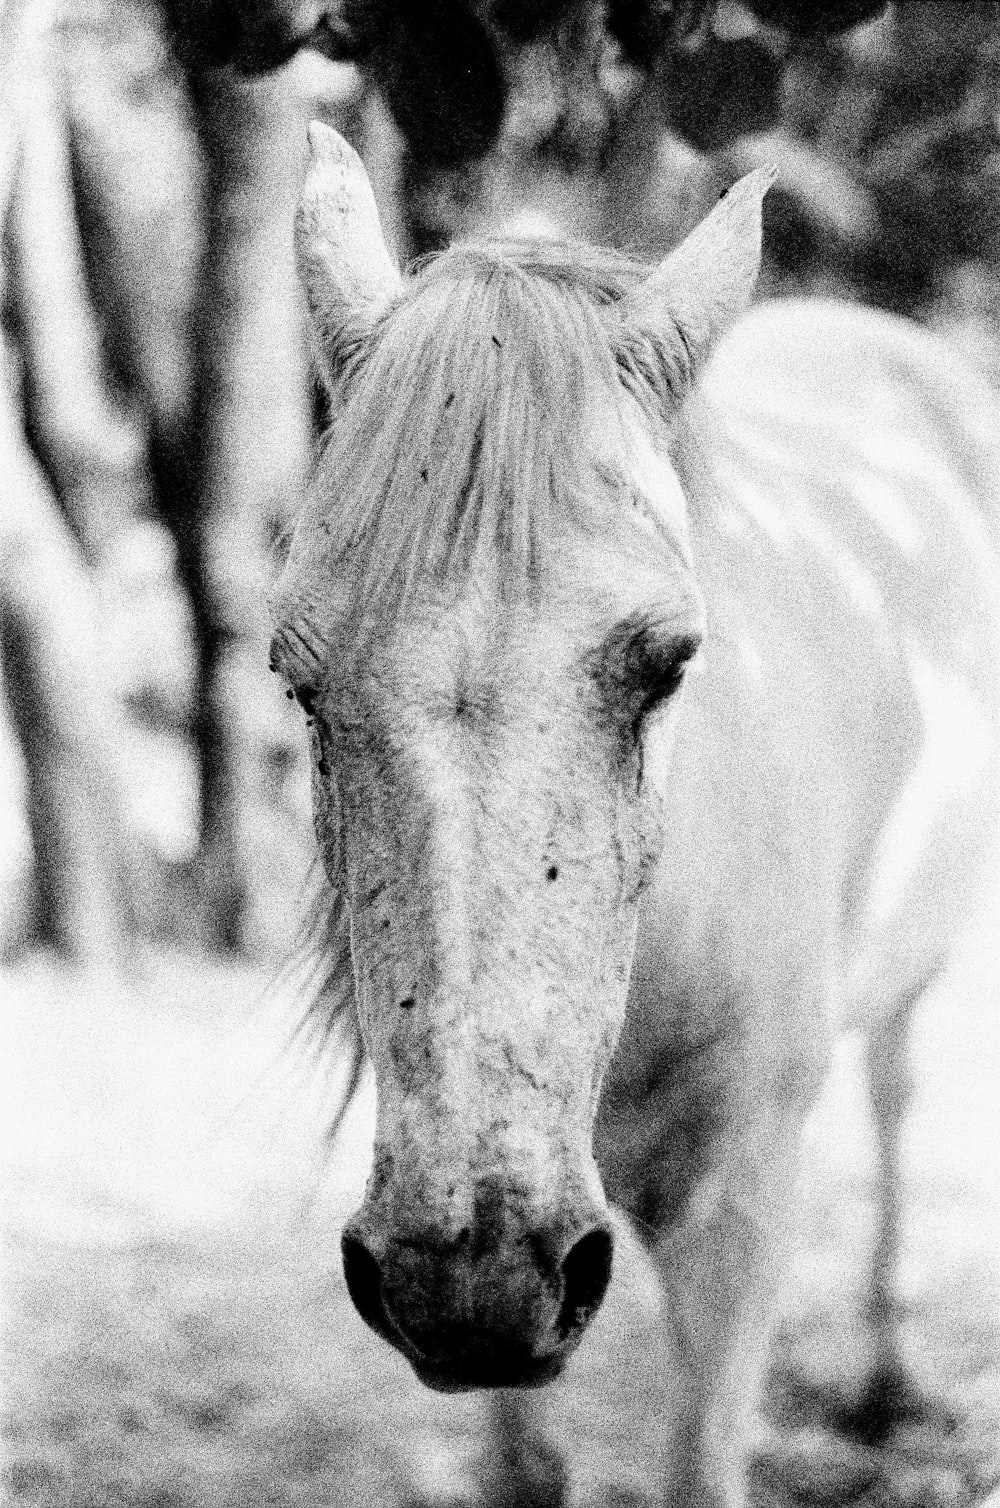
[651, 669]
[637, 669]
[662, 676]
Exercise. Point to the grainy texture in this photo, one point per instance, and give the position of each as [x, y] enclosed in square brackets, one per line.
[177, 1329]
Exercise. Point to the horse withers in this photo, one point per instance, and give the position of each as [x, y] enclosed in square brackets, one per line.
[655, 740]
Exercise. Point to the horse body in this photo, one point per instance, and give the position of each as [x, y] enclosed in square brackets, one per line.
[876, 452]
[648, 736]
[837, 760]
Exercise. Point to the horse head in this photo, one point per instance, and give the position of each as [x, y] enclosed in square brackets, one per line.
[488, 610]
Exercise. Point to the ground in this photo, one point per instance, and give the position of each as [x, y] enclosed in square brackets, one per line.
[178, 1333]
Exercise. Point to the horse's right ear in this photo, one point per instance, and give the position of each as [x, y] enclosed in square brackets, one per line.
[344, 263]
[706, 283]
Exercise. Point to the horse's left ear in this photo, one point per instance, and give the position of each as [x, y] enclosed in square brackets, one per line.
[704, 284]
[344, 264]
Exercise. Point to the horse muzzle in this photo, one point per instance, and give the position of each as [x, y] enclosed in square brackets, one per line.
[468, 1312]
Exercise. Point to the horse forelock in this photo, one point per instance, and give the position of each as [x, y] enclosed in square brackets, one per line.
[489, 416]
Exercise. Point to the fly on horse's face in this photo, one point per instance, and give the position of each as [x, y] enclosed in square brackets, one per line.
[488, 611]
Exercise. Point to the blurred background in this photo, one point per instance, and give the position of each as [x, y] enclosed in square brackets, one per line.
[177, 1330]
[158, 413]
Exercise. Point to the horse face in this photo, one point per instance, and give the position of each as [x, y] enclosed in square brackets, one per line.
[492, 694]
[486, 803]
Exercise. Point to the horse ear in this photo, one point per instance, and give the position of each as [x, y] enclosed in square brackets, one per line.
[685, 303]
[343, 261]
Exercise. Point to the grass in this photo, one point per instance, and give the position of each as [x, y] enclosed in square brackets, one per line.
[178, 1335]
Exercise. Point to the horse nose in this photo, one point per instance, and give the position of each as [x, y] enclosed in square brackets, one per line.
[364, 1284]
[468, 1318]
[586, 1273]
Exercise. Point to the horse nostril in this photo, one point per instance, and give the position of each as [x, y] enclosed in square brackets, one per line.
[586, 1272]
[364, 1282]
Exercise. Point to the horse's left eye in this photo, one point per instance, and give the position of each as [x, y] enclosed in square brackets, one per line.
[640, 667]
[665, 675]
[651, 666]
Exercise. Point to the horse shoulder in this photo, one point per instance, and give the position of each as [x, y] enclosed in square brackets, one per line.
[851, 707]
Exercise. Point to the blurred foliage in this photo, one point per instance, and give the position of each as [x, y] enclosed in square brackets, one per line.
[153, 393]
[909, 117]
[883, 116]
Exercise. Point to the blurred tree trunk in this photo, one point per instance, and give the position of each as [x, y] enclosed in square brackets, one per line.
[138, 179]
[57, 687]
[188, 214]
[241, 479]
[63, 711]
[91, 449]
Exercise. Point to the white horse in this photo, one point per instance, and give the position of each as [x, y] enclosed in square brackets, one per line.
[655, 741]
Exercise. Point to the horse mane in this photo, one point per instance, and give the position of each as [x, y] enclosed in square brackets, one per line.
[320, 958]
[462, 441]
[463, 433]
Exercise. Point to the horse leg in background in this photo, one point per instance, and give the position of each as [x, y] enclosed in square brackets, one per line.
[721, 1267]
[523, 1466]
[519, 1460]
[889, 1396]
[519, 1467]
[511, 1465]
